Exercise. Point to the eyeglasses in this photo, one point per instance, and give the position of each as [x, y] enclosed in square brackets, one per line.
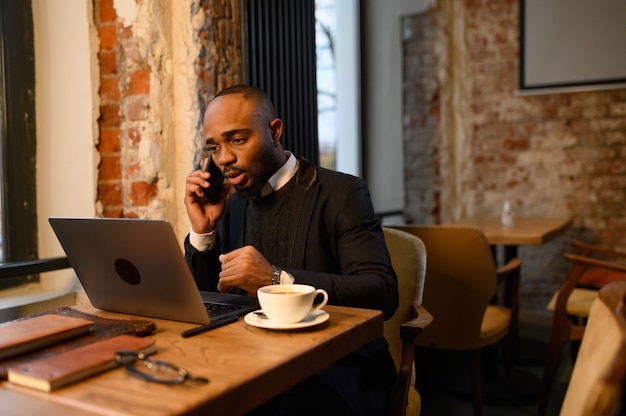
[146, 368]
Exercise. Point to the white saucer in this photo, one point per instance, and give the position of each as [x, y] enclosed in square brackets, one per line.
[311, 319]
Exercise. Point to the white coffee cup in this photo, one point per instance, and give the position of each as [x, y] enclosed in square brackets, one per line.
[288, 304]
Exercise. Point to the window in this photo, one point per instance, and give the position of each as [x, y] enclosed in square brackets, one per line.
[18, 209]
[338, 84]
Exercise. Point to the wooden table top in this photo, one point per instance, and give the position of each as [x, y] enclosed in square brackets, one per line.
[524, 231]
[245, 366]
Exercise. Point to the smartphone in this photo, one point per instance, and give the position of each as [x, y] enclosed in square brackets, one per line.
[212, 193]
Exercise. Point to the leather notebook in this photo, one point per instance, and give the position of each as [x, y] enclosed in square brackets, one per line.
[59, 370]
[26, 335]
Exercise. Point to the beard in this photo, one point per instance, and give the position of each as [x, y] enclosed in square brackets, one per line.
[253, 190]
[259, 174]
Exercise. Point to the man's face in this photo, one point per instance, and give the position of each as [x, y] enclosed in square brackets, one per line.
[240, 141]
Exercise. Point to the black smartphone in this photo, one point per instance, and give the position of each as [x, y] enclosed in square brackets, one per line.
[212, 193]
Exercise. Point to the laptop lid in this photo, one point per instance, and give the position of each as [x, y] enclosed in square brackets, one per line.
[136, 266]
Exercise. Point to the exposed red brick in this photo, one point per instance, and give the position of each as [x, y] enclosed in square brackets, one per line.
[142, 193]
[110, 168]
[110, 194]
[106, 11]
[109, 88]
[139, 82]
[108, 62]
[108, 36]
[519, 143]
[507, 159]
[109, 115]
[109, 140]
[618, 167]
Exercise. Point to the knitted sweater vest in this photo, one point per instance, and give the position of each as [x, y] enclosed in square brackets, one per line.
[267, 224]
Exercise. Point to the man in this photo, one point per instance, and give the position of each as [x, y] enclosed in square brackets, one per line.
[280, 219]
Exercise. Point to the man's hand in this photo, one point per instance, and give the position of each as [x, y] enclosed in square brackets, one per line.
[245, 268]
[203, 215]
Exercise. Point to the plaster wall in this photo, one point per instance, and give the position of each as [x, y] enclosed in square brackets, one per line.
[66, 106]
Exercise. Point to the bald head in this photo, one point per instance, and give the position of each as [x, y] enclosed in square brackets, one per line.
[254, 95]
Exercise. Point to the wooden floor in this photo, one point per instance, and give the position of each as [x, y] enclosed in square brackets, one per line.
[447, 391]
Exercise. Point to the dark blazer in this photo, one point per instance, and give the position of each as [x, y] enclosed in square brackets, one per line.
[337, 244]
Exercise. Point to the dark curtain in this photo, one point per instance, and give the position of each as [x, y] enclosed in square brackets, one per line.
[280, 58]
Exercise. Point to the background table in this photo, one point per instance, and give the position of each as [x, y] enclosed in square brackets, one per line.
[533, 231]
[245, 366]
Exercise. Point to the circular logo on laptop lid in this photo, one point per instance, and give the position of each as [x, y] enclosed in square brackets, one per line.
[127, 271]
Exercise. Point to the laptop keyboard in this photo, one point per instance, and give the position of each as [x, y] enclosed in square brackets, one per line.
[215, 309]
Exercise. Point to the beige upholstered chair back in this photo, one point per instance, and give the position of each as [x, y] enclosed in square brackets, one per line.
[460, 283]
[408, 258]
[597, 381]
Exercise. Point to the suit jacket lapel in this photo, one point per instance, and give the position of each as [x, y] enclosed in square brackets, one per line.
[305, 196]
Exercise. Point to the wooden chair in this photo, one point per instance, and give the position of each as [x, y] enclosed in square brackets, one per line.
[599, 374]
[408, 258]
[461, 282]
[592, 267]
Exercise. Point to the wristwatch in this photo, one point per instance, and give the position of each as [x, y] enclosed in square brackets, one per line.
[276, 272]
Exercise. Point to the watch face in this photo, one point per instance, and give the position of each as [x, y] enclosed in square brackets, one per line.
[276, 275]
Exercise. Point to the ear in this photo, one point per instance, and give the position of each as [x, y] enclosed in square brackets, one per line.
[276, 127]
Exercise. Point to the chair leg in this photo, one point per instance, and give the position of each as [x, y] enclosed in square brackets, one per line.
[476, 380]
[553, 357]
[507, 352]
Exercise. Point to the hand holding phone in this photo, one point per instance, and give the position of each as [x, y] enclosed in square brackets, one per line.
[212, 193]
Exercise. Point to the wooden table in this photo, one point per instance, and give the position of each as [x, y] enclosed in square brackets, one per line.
[245, 366]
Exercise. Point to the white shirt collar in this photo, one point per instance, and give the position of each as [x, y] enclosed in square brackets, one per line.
[282, 175]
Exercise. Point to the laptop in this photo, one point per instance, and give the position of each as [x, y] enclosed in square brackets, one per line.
[136, 266]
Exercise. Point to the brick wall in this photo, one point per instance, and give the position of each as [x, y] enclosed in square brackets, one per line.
[137, 135]
[125, 82]
[109, 147]
[471, 143]
[422, 132]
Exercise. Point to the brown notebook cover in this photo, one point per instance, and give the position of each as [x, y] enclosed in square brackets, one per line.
[25, 335]
[102, 328]
[53, 372]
